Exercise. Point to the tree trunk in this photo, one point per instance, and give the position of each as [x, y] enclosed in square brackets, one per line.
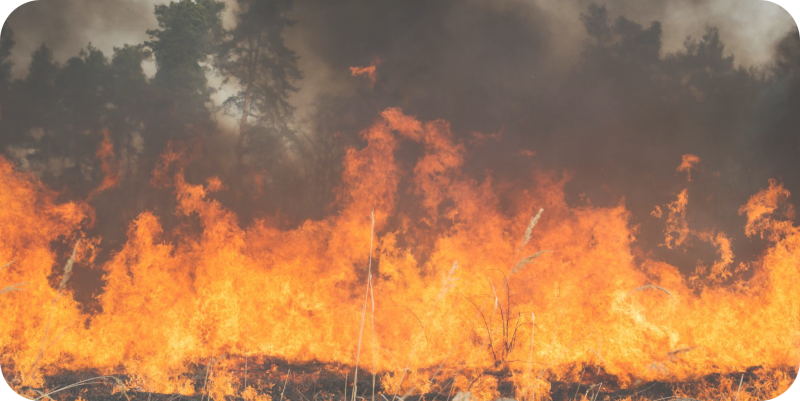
[242, 170]
[245, 108]
[251, 69]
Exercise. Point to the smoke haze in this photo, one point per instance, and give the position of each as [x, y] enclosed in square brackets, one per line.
[611, 96]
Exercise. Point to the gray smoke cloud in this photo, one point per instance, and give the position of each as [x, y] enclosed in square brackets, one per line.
[67, 26]
[516, 66]
[750, 27]
[332, 36]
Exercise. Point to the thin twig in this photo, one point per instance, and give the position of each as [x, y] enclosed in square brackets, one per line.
[285, 382]
[580, 379]
[740, 387]
[372, 311]
[12, 288]
[364, 313]
[598, 392]
[208, 372]
[655, 287]
[245, 356]
[93, 380]
[301, 394]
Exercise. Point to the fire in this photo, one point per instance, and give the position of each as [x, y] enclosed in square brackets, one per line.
[370, 71]
[471, 277]
[688, 162]
[108, 164]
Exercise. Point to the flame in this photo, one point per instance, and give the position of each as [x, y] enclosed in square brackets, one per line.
[108, 164]
[457, 276]
[764, 204]
[370, 71]
[688, 162]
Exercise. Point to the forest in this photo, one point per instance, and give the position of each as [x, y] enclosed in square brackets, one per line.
[616, 118]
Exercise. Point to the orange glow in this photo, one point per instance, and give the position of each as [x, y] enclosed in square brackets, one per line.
[688, 162]
[370, 71]
[677, 227]
[457, 281]
[108, 164]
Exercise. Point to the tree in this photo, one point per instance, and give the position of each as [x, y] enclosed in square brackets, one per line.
[40, 82]
[6, 44]
[256, 55]
[188, 33]
[82, 86]
[31, 115]
[130, 97]
[128, 77]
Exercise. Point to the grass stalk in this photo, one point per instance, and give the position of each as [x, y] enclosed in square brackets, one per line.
[598, 392]
[740, 387]
[289, 373]
[87, 382]
[364, 314]
[246, 332]
[13, 287]
[374, 352]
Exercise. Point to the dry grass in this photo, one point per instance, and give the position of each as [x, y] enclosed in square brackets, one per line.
[118, 385]
[12, 287]
[529, 230]
[527, 260]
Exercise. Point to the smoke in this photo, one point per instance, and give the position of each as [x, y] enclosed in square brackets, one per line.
[326, 33]
[68, 26]
[526, 87]
[425, 35]
[749, 27]
[618, 118]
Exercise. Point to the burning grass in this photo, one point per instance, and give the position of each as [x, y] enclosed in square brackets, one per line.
[452, 297]
[275, 379]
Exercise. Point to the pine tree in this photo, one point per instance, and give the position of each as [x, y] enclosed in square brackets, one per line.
[255, 54]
